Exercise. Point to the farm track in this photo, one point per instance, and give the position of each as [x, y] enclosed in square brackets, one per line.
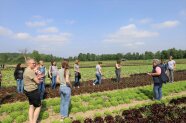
[9, 94]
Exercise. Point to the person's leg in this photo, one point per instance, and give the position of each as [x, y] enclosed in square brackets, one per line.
[22, 85]
[170, 79]
[116, 75]
[172, 75]
[18, 85]
[62, 102]
[31, 113]
[66, 101]
[156, 93]
[97, 79]
[55, 82]
[41, 90]
[160, 92]
[76, 80]
[36, 114]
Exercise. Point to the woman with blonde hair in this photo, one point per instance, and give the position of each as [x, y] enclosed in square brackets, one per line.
[156, 72]
[63, 77]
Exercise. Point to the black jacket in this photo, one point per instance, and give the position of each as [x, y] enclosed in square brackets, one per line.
[18, 73]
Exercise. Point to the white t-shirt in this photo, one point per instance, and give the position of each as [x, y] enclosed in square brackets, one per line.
[98, 68]
[171, 64]
[76, 67]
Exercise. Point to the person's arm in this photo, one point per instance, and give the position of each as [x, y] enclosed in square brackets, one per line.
[67, 78]
[174, 65]
[118, 66]
[15, 74]
[58, 79]
[158, 72]
[35, 78]
[50, 70]
[45, 72]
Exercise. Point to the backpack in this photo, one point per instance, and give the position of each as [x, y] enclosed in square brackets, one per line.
[163, 77]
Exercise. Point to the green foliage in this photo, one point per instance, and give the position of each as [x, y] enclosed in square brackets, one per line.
[21, 119]
[107, 113]
[80, 118]
[56, 121]
[67, 120]
[107, 104]
[97, 114]
[56, 108]
[43, 115]
[15, 114]
[8, 119]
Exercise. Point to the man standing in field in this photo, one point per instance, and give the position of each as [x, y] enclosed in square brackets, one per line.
[171, 68]
[31, 82]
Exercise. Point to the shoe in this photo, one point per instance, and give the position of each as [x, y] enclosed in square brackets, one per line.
[94, 84]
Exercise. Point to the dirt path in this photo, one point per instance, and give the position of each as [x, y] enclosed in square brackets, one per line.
[53, 116]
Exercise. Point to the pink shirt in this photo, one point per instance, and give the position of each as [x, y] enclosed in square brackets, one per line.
[158, 70]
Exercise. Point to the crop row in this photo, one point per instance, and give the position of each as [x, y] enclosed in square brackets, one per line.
[89, 73]
[83, 103]
[9, 94]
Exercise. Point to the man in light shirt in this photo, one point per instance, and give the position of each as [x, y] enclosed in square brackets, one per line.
[171, 68]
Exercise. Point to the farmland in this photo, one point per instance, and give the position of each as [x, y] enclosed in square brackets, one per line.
[131, 100]
[88, 70]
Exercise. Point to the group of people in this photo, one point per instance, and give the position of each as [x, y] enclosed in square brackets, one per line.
[31, 81]
[33, 76]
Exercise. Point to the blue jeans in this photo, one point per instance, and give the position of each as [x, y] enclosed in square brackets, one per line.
[65, 93]
[19, 85]
[76, 82]
[41, 88]
[53, 82]
[118, 72]
[157, 91]
[98, 79]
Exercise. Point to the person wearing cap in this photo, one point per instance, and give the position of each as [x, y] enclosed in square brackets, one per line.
[171, 68]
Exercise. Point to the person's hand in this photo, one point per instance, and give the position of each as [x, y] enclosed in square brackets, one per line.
[149, 74]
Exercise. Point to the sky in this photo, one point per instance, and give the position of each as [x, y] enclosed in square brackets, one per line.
[68, 27]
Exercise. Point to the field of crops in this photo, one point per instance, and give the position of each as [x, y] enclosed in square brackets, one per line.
[129, 68]
[131, 100]
[102, 101]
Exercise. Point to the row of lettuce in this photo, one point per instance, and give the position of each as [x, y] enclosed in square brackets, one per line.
[18, 112]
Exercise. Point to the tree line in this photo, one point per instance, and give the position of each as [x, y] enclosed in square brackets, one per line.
[164, 54]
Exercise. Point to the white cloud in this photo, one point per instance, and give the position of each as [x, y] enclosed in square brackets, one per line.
[36, 23]
[145, 20]
[62, 37]
[49, 30]
[54, 38]
[23, 36]
[167, 24]
[129, 35]
[5, 31]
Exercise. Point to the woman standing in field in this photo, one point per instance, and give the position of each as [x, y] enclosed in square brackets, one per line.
[77, 74]
[18, 75]
[98, 74]
[63, 78]
[156, 72]
[53, 73]
[118, 70]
